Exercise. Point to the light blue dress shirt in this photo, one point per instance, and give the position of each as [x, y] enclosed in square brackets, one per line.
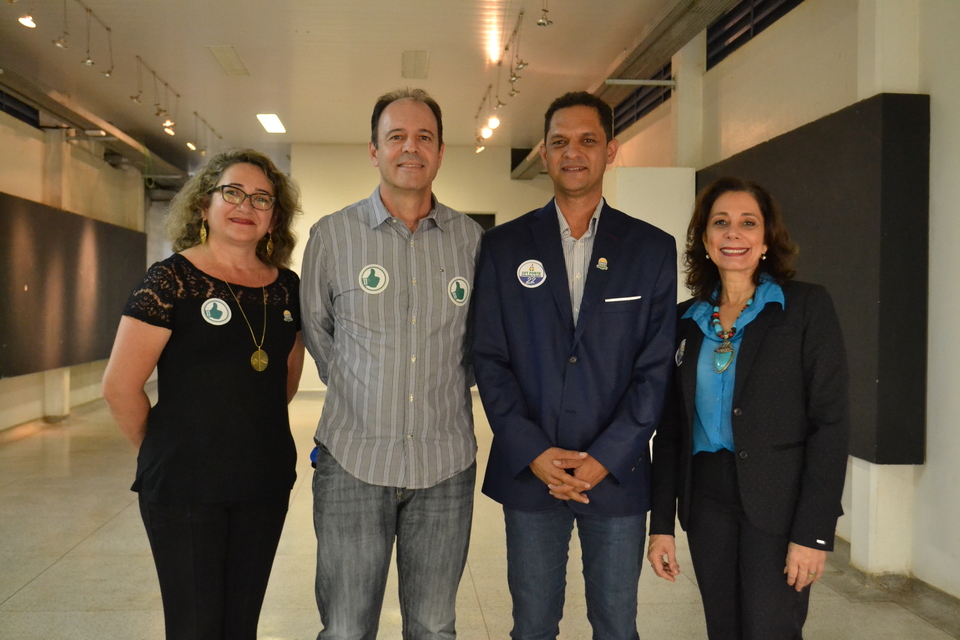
[712, 426]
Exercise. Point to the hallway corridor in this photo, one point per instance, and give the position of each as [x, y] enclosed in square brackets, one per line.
[75, 563]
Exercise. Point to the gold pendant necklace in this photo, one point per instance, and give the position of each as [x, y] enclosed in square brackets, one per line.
[258, 360]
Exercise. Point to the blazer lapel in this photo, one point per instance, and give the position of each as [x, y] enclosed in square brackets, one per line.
[606, 245]
[688, 369]
[546, 234]
[752, 337]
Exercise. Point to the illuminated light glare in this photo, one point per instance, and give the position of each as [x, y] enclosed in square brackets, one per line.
[486, 132]
[480, 148]
[492, 44]
[169, 131]
[169, 123]
[493, 122]
[271, 123]
[28, 22]
[191, 146]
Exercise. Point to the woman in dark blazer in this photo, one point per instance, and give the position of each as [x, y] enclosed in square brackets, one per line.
[751, 452]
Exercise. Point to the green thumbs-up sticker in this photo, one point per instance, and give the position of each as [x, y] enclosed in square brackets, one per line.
[216, 311]
[459, 291]
[374, 278]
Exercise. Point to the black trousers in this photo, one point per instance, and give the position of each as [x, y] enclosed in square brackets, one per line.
[739, 568]
[213, 562]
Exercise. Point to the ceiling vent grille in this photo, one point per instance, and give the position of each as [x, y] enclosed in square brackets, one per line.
[642, 101]
[739, 25]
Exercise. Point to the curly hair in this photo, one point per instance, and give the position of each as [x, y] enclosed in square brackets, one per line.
[702, 274]
[187, 207]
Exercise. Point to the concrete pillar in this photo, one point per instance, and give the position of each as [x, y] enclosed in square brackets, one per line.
[689, 64]
[55, 158]
[882, 496]
[56, 394]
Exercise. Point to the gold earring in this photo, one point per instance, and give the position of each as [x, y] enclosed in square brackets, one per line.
[203, 232]
[269, 244]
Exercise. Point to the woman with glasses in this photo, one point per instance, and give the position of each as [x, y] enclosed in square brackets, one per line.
[220, 320]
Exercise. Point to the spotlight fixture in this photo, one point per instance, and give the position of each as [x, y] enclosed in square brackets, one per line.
[169, 131]
[169, 123]
[514, 77]
[500, 103]
[88, 61]
[486, 132]
[544, 21]
[109, 72]
[27, 19]
[493, 122]
[520, 64]
[191, 146]
[480, 146]
[513, 92]
[161, 112]
[136, 98]
[61, 42]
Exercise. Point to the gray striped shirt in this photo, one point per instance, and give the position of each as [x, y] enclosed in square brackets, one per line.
[576, 255]
[385, 319]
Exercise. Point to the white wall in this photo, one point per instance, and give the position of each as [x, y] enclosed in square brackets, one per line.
[801, 68]
[332, 177]
[88, 186]
[936, 533]
[650, 141]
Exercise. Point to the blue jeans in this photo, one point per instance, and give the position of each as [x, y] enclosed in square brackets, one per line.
[537, 547]
[356, 524]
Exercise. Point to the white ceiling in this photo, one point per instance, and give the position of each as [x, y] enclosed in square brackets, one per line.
[318, 64]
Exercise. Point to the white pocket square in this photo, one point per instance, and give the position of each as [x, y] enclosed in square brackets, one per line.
[623, 299]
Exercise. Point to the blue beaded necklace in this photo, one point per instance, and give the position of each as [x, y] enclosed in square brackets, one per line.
[723, 355]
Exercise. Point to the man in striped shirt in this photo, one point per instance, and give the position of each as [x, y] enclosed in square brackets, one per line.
[386, 292]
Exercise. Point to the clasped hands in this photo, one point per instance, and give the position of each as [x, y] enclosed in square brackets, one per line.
[568, 474]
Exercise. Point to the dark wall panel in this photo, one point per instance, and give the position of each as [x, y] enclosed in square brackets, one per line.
[854, 188]
[64, 280]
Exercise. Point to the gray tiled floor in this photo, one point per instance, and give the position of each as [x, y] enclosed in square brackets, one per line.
[74, 560]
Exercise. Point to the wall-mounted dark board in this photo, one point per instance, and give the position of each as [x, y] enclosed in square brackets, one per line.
[854, 188]
[64, 280]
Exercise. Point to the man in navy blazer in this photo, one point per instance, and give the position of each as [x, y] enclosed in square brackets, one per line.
[574, 310]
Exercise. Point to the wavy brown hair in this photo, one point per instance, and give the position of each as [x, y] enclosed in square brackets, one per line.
[702, 274]
[187, 207]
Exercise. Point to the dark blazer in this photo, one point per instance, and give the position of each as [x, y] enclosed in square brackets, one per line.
[598, 387]
[790, 420]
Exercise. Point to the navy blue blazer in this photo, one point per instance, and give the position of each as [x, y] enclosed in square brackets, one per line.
[598, 387]
[791, 421]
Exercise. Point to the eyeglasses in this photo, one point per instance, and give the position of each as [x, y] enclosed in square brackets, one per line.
[260, 201]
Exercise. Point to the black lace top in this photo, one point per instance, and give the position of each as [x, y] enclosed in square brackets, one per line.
[219, 431]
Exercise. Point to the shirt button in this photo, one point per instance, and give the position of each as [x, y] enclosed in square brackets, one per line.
[409, 436]
[411, 243]
[578, 276]
[411, 397]
[414, 321]
[413, 358]
[414, 281]
[743, 455]
[572, 360]
[737, 411]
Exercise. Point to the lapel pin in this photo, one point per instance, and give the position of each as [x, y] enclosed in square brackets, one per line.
[602, 264]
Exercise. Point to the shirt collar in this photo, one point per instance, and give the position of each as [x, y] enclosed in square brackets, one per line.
[768, 291]
[591, 229]
[439, 214]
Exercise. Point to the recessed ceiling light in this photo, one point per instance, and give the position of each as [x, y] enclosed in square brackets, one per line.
[271, 122]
